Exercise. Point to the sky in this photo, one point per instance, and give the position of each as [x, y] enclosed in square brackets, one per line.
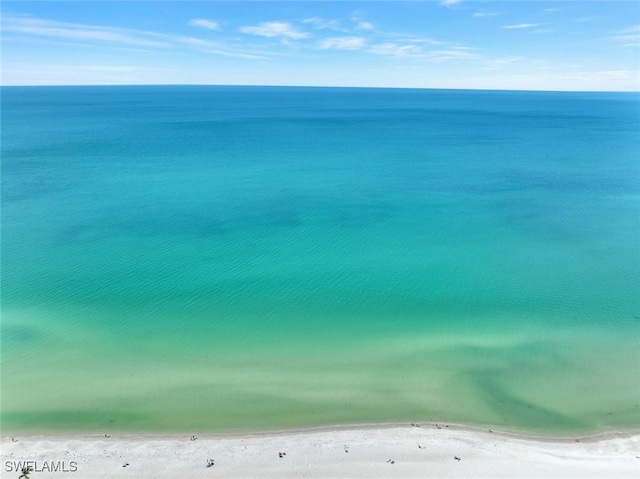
[512, 45]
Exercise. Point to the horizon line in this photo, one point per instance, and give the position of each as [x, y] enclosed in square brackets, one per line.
[363, 87]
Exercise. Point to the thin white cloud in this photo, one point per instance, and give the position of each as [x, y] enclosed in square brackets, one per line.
[613, 75]
[341, 43]
[500, 62]
[43, 40]
[274, 29]
[359, 23]
[417, 52]
[235, 55]
[633, 29]
[222, 48]
[521, 25]
[344, 25]
[204, 23]
[98, 68]
[92, 35]
[196, 42]
[74, 31]
[626, 38]
[586, 19]
[542, 31]
[324, 24]
[397, 50]
[408, 38]
[362, 25]
[630, 37]
[427, 40]
[484, 14]
[448, 3]
[453, 54]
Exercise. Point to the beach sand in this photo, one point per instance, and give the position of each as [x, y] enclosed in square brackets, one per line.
[402, 451]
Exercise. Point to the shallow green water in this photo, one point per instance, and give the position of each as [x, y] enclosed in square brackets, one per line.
[214, 259]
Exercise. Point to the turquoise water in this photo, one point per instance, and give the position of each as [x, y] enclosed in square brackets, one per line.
[250, 258]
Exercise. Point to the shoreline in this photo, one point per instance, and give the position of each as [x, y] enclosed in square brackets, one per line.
[594, 436]
[389, 450]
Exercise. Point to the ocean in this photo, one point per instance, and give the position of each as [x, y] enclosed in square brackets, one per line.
[215, 259]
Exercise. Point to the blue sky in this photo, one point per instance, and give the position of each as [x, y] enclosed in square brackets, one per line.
[532, 45]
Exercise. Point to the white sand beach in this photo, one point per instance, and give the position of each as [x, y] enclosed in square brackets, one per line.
[375, 452]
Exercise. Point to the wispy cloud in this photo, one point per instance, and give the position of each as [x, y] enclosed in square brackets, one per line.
[448, 3]
[484, 14]
[324, 24]
[48, 41]
[417, 52]
[342, 43]
[362, 25]
[204, 23]
[74, 31]
[397, 50]
[451, 54]
[613, 75]
[542, 31]
[345, 25]
[500, 62]
[633, 29]
[92, 35]
[235, 55]
[274, 29]
[629, 37]
[522, 25]
[586, 19]
[359, 22]
[196, 42]
[421, 40]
